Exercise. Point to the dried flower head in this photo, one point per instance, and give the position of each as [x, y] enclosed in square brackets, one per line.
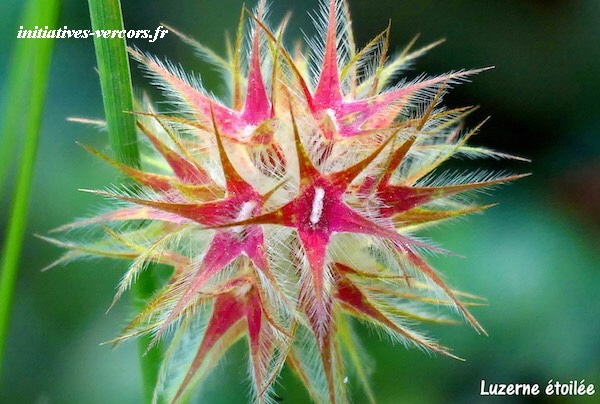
[291, 208]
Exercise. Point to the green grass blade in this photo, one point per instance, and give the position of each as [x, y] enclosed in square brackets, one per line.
[17, 86]
[115, 81]
[37, 65]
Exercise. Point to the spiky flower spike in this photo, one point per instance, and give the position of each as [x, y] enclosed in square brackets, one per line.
[290, 210]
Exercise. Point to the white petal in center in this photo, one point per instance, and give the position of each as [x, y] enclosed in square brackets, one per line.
[317, 206]
[244, 214]
[246, 211]
[247, 131]
[331, 113]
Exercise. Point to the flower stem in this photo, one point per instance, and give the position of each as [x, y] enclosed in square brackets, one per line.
[115, 81]
[29, 71]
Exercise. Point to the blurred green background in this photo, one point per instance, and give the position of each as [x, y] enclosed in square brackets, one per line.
[535, 257]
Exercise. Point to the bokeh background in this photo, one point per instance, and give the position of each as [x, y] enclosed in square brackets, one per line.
[535, 257]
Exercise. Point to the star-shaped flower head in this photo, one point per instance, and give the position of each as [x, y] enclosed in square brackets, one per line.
[291, 210]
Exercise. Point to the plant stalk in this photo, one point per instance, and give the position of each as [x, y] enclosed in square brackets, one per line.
[117, 95]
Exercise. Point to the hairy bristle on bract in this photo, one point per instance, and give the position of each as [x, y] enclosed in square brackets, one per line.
[289, 209]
